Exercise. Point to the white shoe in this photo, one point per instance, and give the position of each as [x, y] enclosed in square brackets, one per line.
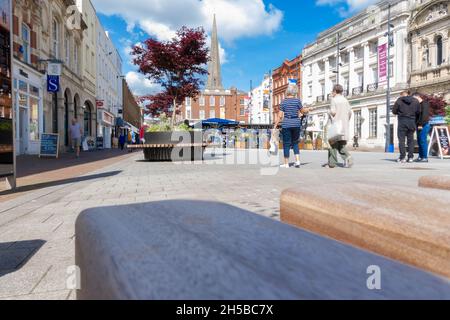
[297, 164]
[284, 166]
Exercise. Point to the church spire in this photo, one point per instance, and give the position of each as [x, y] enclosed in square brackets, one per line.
[214, 77]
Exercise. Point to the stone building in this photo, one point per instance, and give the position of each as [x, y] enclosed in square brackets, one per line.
[62, 40]
[290, 69]
[363, 65]
[215, 101]
[429, 59]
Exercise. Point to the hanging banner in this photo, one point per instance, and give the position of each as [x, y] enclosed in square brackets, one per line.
[7, 156]
[382, 64]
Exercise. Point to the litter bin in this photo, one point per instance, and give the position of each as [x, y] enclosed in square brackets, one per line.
[391, 148]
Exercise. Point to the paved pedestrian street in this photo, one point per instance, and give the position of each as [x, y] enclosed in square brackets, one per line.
[37, 229]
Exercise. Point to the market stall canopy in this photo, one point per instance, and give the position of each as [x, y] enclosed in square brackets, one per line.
[219, 122]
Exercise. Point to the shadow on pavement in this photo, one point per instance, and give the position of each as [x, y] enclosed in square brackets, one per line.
[14, 255]
[59, 182]
[29, 165]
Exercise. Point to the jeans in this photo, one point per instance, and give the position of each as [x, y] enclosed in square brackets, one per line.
[406, 130]
[422, 136]
[291, 138]
[337, 147]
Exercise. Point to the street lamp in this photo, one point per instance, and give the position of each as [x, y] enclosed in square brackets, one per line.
[390, 44]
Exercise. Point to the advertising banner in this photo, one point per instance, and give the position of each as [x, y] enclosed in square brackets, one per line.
[382, 64]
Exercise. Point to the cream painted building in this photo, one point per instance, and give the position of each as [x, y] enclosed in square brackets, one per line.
[429, 61]
[363, 42]
[109, 86]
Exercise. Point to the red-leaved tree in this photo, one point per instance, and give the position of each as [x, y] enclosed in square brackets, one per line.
[176, 65]
[437, 104]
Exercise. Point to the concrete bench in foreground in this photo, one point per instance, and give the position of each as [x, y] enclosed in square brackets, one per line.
[411, 225]
[435, 182]
[189, 250]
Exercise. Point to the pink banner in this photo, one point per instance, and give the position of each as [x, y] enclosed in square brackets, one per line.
[382, 64]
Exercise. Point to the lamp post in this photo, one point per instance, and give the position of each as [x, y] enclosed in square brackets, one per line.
[388, 95]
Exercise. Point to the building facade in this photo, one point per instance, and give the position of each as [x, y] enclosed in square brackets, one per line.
[215, 101]
[260, 102]
[289, 70]
[429, 58]
[132, 111]
[363, 65]
[109, 86]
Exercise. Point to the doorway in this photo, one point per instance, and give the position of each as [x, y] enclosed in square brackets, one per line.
[23, 130]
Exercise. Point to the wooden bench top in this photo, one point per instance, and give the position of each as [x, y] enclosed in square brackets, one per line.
[406, 224]
[193, 250]
[435, 182]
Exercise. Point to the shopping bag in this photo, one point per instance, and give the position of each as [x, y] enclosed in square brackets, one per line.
[85, 145]
[335, 132]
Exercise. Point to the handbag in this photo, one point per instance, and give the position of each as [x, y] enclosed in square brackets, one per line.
[274, 142]
[336, 132]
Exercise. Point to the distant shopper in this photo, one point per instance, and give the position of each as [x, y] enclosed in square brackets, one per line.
[122, 141]
[407, 110]
[289, 116]
[356, 141]
[340, 115]
[423, 128]
[75, 134]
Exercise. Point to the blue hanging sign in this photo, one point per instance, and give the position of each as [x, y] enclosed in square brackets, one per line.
[52, 84]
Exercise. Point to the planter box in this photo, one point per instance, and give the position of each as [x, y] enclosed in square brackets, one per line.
[174, 146]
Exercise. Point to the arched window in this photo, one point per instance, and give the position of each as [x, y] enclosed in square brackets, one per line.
[87, 120]
[67, 48]
[55, 38]
[439, 54]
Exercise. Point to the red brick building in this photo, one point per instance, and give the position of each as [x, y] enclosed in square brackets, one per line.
[290, 69]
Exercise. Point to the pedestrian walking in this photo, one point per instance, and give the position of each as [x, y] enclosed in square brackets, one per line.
[75, 134]
[338, 134]
[356, 141]
[122, 141]
[289, 116]
[423, 128]
[407, 109]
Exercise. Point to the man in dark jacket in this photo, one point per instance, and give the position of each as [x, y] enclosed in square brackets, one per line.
[407, 109]
[423, 128]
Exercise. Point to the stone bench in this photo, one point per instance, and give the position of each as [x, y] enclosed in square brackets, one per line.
[435, 182]
[191, 250]
[411, 225]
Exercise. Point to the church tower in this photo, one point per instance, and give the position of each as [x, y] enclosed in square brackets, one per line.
[215, 76]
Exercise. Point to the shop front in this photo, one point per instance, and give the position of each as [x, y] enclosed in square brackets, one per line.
[29, 109]
[106, 122]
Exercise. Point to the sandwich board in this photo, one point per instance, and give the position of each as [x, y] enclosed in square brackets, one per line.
[441, 136]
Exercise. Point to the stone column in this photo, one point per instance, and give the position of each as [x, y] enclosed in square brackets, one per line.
[352, 80]
[367, 80]
[327, 77]
[415, 54]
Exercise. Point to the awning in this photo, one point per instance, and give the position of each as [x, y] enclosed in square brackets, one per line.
[219, 122]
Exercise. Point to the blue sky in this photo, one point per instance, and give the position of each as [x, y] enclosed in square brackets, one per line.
[255, 35]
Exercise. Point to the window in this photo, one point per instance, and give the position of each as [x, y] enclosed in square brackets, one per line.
[188, 113]
[34, 119]
[310, 91]
[67, 48]
[202, 101]
[439, 51]
[188, 102]
[202, 114]
[55, 38]
[374, 75]
[373, 123]
[212, 101]
[373, 48]
[222, 101]
[242, 112]
[357, 115]
[360, 79]
[75, 58]
[242, 102]
[26, 42]
[212, 114]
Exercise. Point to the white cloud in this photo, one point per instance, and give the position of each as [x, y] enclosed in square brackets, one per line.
[140, 85]
[160, 18]
[347, 7]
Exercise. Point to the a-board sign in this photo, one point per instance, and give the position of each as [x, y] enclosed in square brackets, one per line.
[100, 143]
[441, 136]
[49, 145]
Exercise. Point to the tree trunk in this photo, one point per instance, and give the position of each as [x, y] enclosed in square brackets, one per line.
[174, 113]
